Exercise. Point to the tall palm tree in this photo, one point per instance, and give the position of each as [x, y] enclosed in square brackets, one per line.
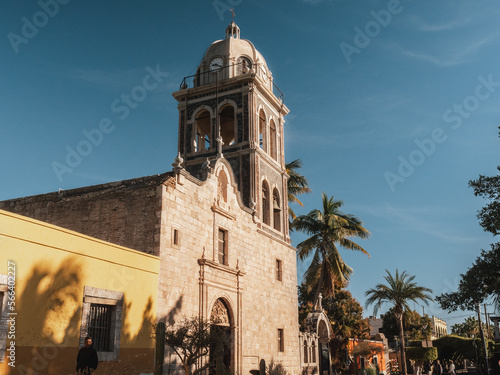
[400, 290]
[328, 228]
[297, 184]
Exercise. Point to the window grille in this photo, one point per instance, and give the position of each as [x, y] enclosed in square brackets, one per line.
[100, 327]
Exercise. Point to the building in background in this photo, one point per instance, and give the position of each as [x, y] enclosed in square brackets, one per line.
[375, 325]
[369, 353]
[439, 328]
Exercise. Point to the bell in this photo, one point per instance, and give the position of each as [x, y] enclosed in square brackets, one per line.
[276, 206]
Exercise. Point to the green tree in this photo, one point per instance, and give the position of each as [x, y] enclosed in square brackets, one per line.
[488, 188]
[417, 327]
[480, 282]
[192, 340]
[460, 348]
[346, 318]
[297, 184]
[399, 290]
[327, 229]
[468, 328]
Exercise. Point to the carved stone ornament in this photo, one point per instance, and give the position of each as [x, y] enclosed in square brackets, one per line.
[220, 315]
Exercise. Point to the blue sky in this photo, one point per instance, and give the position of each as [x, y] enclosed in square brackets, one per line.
[395, 106]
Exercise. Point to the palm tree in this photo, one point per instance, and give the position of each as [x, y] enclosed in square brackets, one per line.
[328, 228]
[296, 184]
[399, 290]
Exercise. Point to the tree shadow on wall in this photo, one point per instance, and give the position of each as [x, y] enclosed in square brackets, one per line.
[51, 300]
[171, 363]
[48, 302]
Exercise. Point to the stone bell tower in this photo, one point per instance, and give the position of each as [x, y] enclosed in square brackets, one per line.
[231, 108]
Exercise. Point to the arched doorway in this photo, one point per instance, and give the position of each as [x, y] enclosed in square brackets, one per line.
[221, 352]
[324, 350]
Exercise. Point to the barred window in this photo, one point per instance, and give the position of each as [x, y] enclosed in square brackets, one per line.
[100, 327]
[3, 317]
[102, 319]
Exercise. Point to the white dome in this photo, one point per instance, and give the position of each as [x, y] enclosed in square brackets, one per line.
[239, 56]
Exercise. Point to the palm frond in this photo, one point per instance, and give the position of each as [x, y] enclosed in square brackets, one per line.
[326, 228]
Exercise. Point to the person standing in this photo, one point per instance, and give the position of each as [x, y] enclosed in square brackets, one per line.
[438, 369]
[87, 360]
[451, 368]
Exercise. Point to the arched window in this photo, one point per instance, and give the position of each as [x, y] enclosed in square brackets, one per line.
[305, 352]
[227, 125]
[276, 210]
[273, 142]
[313, 357]
[266, 217]
[262, 130]
[244, 65]
[202, 136]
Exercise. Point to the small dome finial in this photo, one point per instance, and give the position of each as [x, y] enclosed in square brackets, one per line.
[233, 31]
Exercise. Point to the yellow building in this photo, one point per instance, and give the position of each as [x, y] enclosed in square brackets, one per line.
[68, 285]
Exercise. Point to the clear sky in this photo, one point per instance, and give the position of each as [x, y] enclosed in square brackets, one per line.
[395, 106]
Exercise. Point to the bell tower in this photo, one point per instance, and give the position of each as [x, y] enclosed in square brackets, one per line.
[231, 108]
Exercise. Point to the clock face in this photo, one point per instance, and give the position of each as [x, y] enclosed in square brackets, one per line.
[216, 64]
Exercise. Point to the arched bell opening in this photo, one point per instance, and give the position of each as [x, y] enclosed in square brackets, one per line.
[202, 139]
[273, 140]
[227, 125]
[276, 210]
[266, 216]
[262, 130]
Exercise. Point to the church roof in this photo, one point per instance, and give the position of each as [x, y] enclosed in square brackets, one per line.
[130, 184]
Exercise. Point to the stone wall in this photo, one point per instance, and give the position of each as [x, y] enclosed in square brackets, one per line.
[124, 212]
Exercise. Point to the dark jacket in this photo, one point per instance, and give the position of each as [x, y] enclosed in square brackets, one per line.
[438, 369]
[87, 359]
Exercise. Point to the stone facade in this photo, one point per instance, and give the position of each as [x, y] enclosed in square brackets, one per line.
[439, 327]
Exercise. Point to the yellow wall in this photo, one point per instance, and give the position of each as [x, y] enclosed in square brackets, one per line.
[53, 265]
